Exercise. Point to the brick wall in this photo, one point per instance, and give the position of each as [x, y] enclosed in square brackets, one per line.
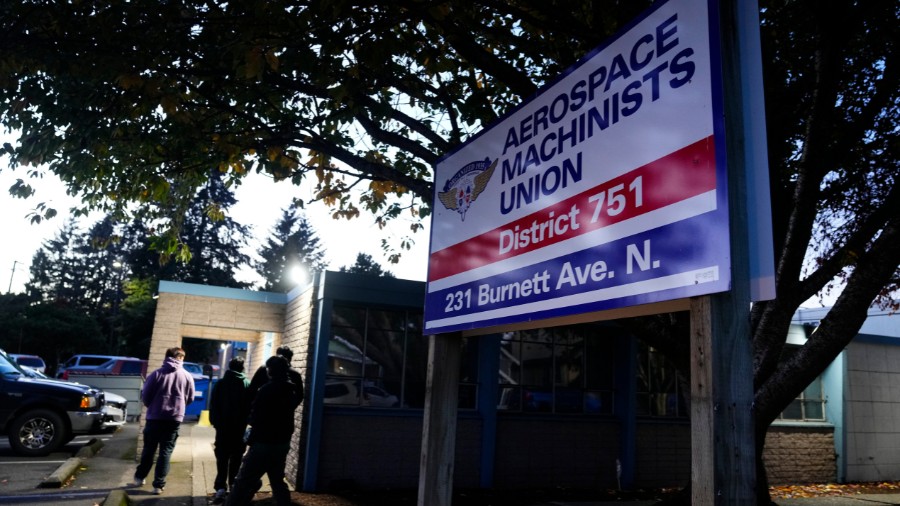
[800, 455]
[299, 322]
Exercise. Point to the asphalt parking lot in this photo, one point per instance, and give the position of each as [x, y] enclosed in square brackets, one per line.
[23, 476]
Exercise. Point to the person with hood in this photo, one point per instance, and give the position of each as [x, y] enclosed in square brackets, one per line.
[271, 428]
[167, 392]
[261, 377]
[229, 406]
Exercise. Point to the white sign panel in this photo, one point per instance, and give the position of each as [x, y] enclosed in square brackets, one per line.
[605, 190]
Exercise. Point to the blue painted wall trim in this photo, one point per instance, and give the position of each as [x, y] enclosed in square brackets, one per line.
[220, 292]
[875, 339]
[316, 379]
[372, 290]
[626, 406]
[834, 383]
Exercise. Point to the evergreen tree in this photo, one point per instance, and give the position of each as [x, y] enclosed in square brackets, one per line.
[213, 238]
[12, 323]
[57, 272]
[365, 264]
[293, 243]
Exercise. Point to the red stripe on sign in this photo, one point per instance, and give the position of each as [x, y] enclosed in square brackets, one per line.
[683, 174]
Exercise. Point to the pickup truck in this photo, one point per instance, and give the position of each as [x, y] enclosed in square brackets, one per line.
[40, 415]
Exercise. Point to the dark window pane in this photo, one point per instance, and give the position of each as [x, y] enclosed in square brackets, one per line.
[814, 410]
[814, 391]
[569, 335]
[569, 366]
[509, 399]
[387, 320]
[384, 355]
[468, 396]
[600, 368]
[537, 363]
[342, 391]
[344, 357]
[510, 362]
[598, 403]
[643, 404]
[378, 397]
[416, 368]
[793, 412]
[569, 400]
[468, 372]
[344, 316]
[540, 401]
[537, 335]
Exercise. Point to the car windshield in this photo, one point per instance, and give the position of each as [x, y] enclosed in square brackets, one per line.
[7, 365]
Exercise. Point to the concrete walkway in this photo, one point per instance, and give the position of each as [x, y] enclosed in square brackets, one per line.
[193, 470]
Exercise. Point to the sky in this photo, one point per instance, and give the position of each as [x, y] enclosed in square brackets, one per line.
[260, 202]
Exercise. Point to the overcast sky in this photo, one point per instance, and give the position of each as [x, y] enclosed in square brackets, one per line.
[260, 201]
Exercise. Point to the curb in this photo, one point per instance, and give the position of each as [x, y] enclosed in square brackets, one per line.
[117, 498]
[71, 465]
[62, 473]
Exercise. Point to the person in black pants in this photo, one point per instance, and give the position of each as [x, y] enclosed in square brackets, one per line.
[271, 429]
[229, 407]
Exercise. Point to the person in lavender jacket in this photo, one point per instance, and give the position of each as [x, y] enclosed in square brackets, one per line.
[167, 391]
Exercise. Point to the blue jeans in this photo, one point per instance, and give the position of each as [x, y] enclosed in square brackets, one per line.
[260, 459]
[160, 434]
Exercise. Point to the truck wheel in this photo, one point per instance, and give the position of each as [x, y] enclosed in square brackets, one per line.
[37, 433]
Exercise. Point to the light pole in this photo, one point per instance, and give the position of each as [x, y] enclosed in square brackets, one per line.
[115, 330]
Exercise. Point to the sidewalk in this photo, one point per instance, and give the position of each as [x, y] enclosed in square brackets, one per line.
[190, 479]
[193, 470]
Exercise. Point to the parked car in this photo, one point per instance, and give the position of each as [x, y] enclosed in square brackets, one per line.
[83, 363]
[115, 411]
[40, 415]
[121, 367]
[115, 407]
[33, 361]
[347, 392]
[197, 370]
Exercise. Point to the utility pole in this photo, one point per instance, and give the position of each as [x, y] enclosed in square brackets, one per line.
[13, 273]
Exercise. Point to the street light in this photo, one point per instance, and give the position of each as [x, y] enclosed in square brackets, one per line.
[297, 274]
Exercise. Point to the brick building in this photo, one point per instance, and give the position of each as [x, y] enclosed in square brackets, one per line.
[580, 406]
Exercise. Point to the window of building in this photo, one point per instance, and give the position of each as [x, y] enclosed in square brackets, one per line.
[378, 358]
[559, 370]
[660, 386]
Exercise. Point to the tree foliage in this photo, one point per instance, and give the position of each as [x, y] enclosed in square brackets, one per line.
[365, 264]
[368, 97]
[100, 282]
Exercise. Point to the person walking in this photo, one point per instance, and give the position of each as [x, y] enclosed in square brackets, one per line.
[166, 393]
[260, 378]
[271, 428]
[229, 407]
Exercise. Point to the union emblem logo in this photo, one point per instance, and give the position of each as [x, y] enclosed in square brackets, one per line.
[466, 185]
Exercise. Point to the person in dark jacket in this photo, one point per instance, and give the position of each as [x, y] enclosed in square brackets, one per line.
[167, 392]
[271, 429]
[260, 378]
[229, 407]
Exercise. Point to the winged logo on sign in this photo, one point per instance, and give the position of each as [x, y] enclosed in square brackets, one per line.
[466, 185]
